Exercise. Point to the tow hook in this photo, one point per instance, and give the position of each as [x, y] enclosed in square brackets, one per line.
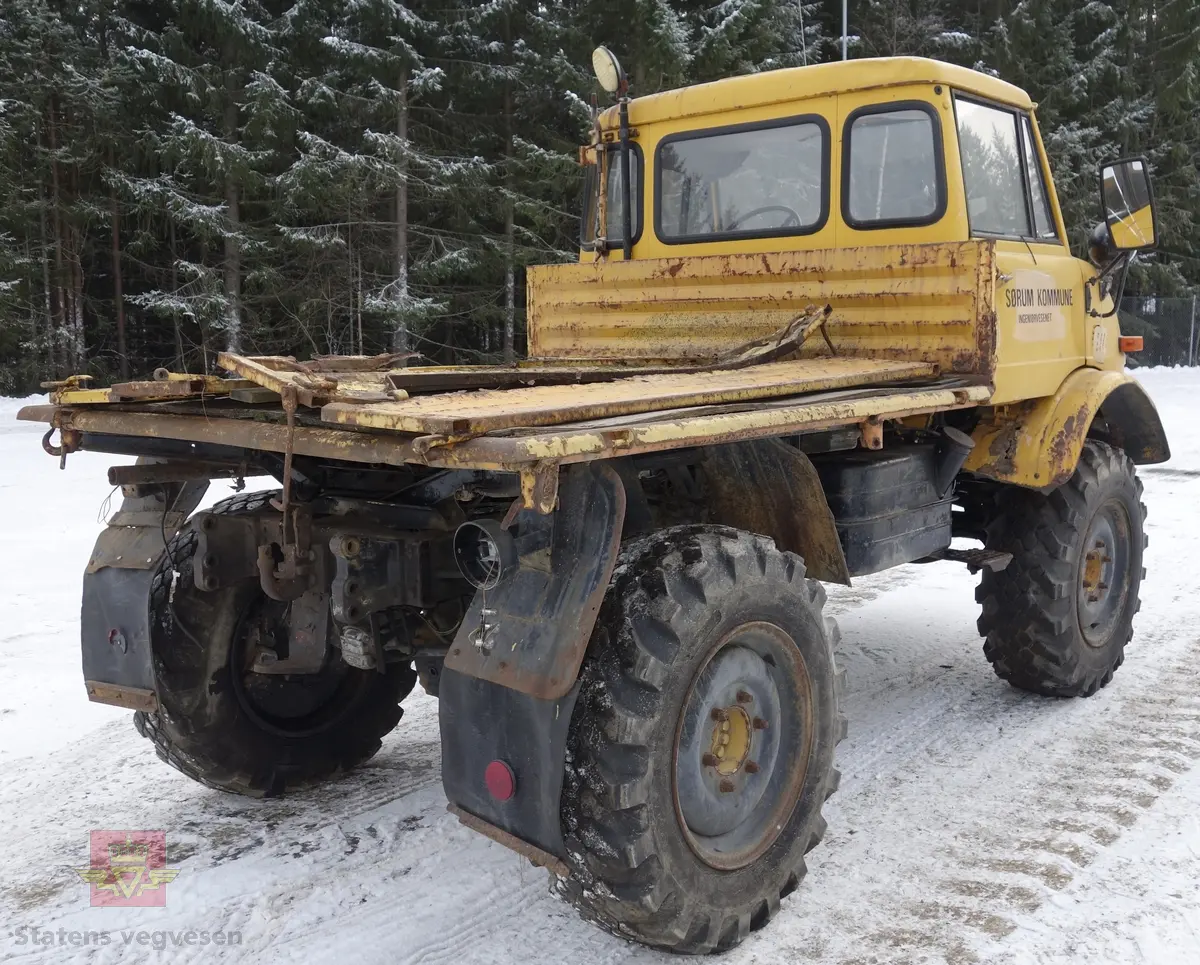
[69, 441]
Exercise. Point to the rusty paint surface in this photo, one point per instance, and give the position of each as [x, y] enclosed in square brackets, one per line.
[543, 859]
[319, 381]
[474, 413]
[695, 428]
[1037, 444]
[929, 303]
[393, 450]
[172, 387]
[647, 433]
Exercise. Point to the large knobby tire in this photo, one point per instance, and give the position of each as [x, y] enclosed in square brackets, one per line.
[703, 629]
[252, 734]
[1057, 619]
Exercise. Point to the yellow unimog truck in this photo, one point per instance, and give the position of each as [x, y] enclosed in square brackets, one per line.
[824, 321]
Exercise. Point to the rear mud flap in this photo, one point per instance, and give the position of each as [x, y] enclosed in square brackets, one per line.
[483, 722]
[118, 663]
[510, 699]
[537, 624]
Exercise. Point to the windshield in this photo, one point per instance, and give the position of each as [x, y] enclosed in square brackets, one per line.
[748, 182]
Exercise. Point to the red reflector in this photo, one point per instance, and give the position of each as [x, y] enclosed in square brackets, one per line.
[499, 779]
[1130, 343]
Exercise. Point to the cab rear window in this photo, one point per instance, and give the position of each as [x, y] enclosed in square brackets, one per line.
[749, 181]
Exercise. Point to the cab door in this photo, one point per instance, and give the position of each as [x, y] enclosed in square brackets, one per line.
[1040, 314]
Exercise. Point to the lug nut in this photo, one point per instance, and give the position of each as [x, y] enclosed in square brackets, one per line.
[744, 698]
[720, 713]
[1105, 559]
[760, 724]
[751, 767]
[726, 786]
[710, 760]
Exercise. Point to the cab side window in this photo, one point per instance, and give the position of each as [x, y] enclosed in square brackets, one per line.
[893, 173]
[1043, 222]
[991, 163]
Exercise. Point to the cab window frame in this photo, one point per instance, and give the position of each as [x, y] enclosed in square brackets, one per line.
[939, 165]
[1019, 115]
[637, 166]
[796, 120]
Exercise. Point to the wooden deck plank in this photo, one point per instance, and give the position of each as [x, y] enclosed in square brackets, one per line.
[474, 413]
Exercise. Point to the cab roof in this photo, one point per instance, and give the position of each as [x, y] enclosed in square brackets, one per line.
[798, 83]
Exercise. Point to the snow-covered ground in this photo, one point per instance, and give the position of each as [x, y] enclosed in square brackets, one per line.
[974, 823]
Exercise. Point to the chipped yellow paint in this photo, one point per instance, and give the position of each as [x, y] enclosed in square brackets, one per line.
[1037, 443]
[82, 396]
[678, 430]
[473, 413]
[174, 387]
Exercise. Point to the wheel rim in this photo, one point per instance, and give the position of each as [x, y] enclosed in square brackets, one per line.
[287, 705]
[1104, 573]
[743, 745]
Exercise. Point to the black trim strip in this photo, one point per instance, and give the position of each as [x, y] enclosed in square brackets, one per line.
[795, 121]
[1025, 125]
[939, 163]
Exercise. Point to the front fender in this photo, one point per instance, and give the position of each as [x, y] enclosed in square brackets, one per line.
[1037, 444]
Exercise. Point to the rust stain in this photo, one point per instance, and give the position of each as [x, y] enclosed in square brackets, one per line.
[1064, 447]
[1002, 451]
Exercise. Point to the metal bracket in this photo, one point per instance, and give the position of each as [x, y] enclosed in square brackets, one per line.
[976, 559]
[541, 618]
[539, 487]
[307, 641]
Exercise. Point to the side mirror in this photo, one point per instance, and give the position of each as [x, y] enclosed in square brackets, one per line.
[1128, 202]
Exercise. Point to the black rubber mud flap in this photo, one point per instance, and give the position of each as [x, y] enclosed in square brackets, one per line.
[483, 722]
[539, 620]
[510, 700]
[115, 617]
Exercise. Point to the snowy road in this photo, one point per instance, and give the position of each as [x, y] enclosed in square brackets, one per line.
[974, 823]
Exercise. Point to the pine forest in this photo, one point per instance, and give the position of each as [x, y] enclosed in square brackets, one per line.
[181, 177]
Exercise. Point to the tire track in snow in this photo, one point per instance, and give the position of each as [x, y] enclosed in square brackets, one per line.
[1051, 785]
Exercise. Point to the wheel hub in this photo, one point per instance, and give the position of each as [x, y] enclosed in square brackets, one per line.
[1104, 573]
[730, 743]
[732, 781]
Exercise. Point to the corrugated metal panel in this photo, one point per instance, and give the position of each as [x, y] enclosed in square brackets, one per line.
[930, 303]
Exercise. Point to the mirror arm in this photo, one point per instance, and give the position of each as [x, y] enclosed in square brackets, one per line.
[1119, 264]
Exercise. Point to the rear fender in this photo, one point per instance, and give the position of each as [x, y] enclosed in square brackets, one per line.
[1037, 444]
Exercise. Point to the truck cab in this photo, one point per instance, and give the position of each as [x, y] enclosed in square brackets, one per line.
[856, 155]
